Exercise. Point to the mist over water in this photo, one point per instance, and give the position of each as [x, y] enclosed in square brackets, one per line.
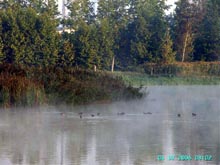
[47, 136]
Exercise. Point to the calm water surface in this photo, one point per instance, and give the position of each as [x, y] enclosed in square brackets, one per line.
[44, 136]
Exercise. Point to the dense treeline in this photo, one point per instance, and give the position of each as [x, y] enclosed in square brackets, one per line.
[120, 33]
[27, 33]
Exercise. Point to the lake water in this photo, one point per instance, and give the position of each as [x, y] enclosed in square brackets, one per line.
[45, 136]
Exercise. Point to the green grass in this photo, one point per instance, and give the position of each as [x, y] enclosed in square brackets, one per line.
[141, 79]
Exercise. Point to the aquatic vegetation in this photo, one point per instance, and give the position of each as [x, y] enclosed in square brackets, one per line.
[21, 86]
[17, 89]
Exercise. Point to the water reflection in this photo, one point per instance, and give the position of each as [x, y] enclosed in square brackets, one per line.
[43, 136]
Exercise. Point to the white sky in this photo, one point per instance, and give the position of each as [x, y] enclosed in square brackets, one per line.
[171, 2]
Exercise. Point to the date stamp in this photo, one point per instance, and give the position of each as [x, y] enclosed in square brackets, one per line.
[184, 157]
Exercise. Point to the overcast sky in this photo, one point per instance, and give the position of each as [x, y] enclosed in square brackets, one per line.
[171, 2]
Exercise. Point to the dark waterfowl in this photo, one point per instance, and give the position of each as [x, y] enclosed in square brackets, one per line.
[98, 114]
[193, 114]
[80, 115]
[147, 113]
[121, 113]
[92, 115]
[179, 115]
[62, 114]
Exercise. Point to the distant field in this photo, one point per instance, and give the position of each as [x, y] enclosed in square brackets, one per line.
[137, 79]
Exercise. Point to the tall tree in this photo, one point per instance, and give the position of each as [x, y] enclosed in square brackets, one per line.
[12, 39]
[80, 11]
[106, 40]
[1, 48]
[86, 46]
[168, 55]
[28, 37]
[115, 14]
[115, 10]
[157, 28]
[184, 18]
[66, 55]
[147, 30]
[40, 6]
[207, 42]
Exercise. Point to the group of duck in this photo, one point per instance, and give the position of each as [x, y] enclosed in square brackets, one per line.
[119, 114]
[193, 114]
[92, 115]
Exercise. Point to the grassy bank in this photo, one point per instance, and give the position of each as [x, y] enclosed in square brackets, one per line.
[23, 86]
[178, 73]
[183, 69]
[137, 79]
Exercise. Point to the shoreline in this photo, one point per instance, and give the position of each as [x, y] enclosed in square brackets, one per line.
[141, 79]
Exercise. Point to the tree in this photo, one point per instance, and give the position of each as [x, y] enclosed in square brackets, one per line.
[168, 55]
[106, 40]
[184, 18]
[28, 37]
[139, 42]
[66, 55]
[40, 6]
[114, 14]
[147, 30]
[80, 11]
[115, 10]
[12, 39]
[1, 49]
[207, 42]
[86, 46]
[51, 8]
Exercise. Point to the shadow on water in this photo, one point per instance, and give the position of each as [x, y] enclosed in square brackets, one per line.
[126, 133]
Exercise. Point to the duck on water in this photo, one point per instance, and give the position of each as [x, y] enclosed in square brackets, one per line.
[120, 113]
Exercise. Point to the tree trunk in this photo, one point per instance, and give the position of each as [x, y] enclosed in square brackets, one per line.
[94, 68]
[184, 46]
[113, 63]
[185, 42]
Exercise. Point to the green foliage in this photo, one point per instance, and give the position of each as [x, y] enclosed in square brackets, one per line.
[140, 37]
[66, 55]
[30, 86]
[49, 7]
[168, 55]
[113, 18]
[147, 30]
[106, 39]
[1, 49]
[184, 22]
[28, 38]
[86, 45]
[80, 11]
[115, 11]
[207, 42]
